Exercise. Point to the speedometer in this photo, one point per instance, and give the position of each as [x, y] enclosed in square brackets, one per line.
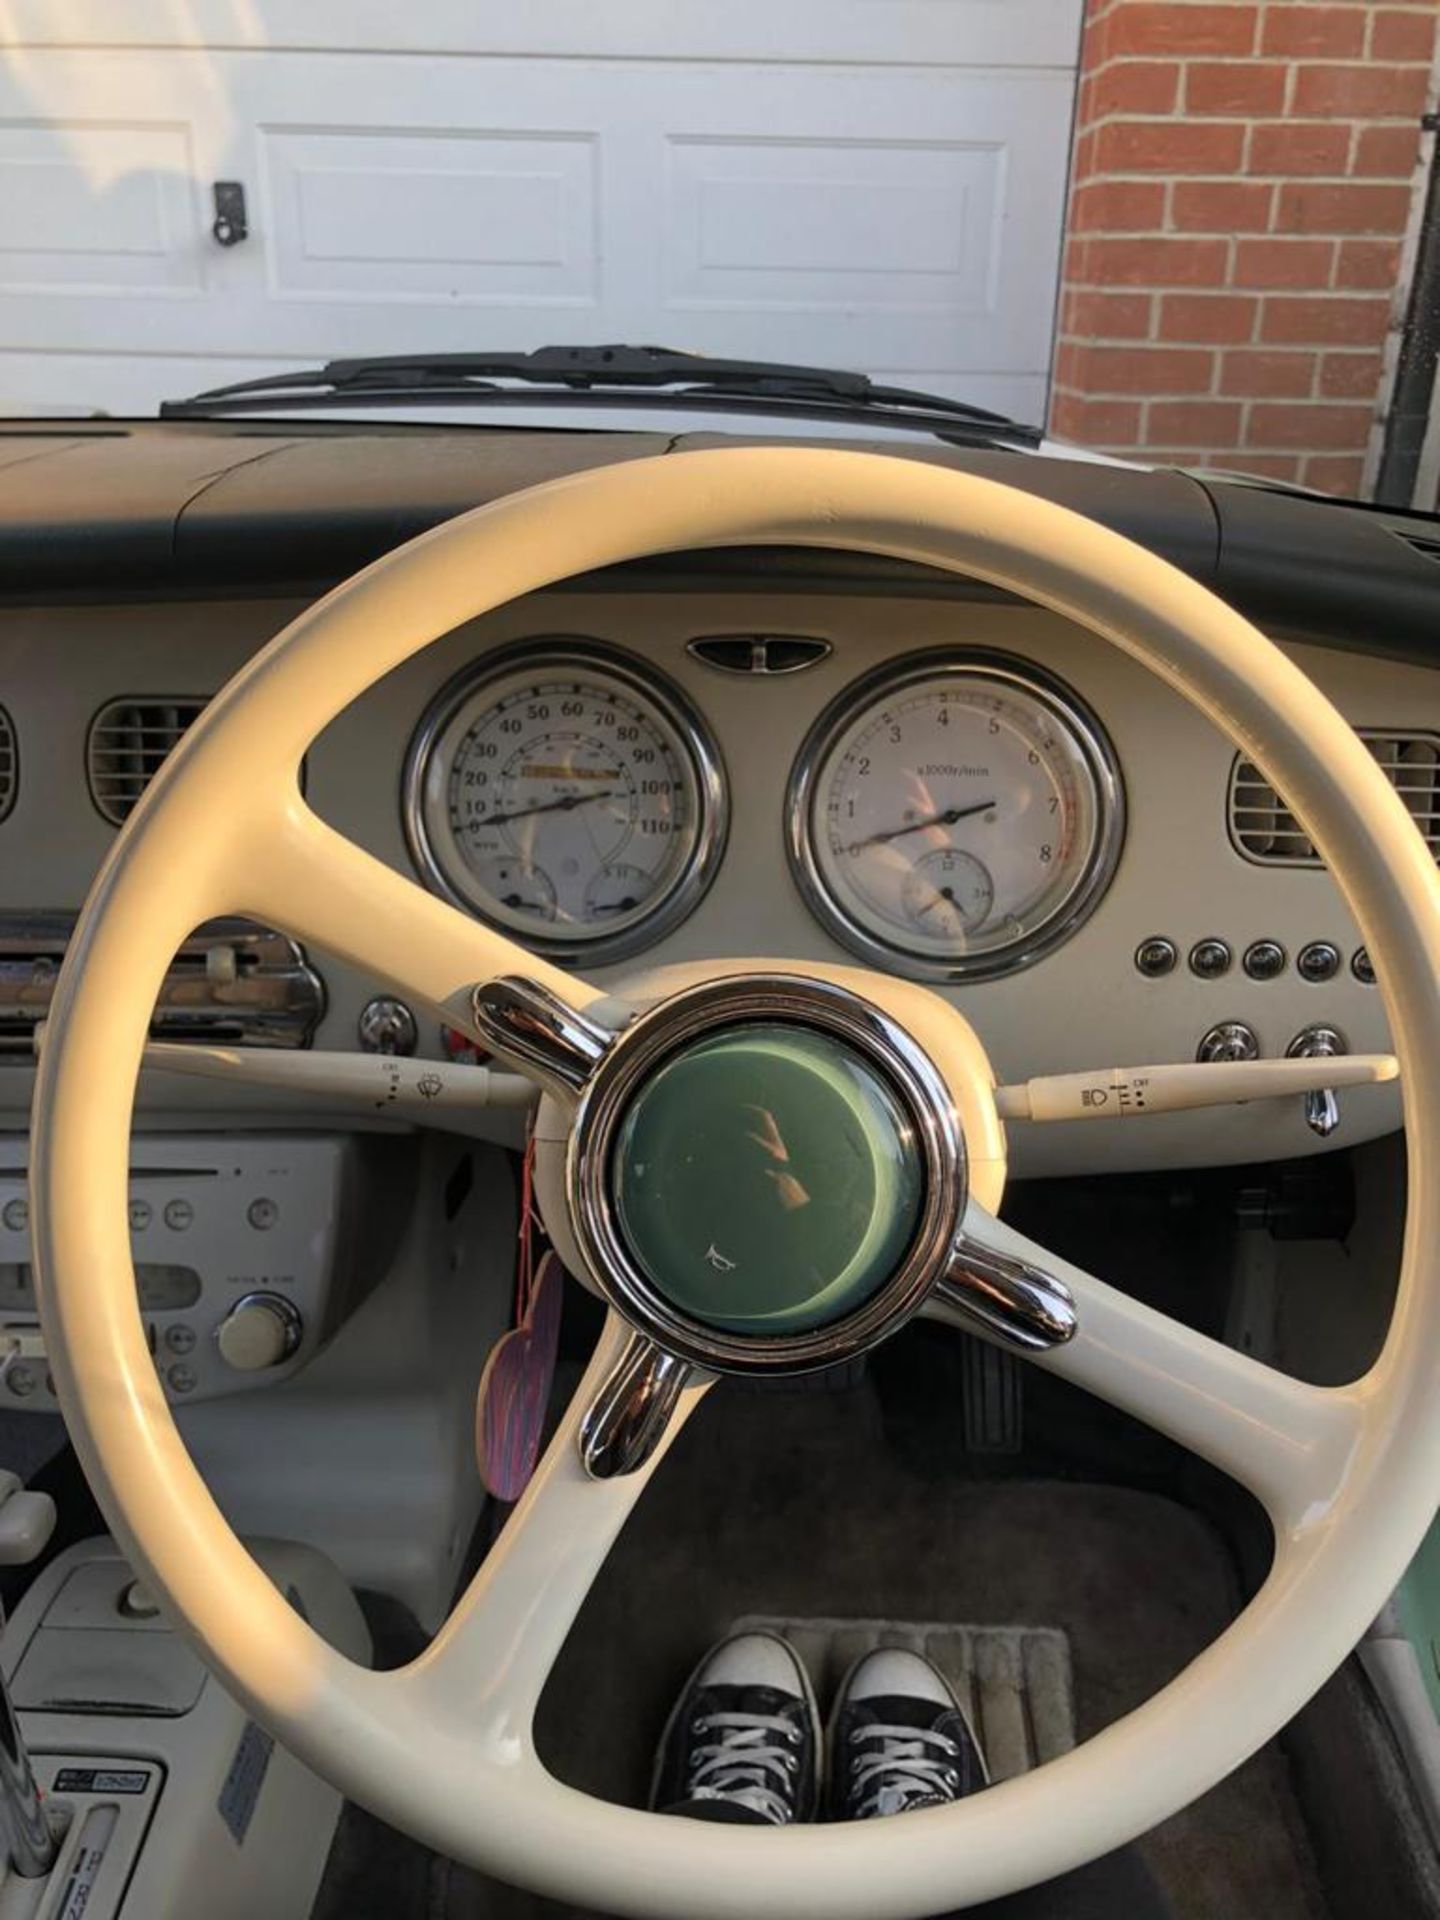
[567, 796]
[955, 817]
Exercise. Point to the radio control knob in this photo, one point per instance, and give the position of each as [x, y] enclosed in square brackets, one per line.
[261, 1330]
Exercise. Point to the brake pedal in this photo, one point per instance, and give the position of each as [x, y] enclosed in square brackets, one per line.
[992, 1399]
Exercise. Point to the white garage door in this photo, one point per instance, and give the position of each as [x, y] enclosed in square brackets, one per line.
[867, 183]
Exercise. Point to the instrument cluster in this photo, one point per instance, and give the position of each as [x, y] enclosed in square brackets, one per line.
[953, 816]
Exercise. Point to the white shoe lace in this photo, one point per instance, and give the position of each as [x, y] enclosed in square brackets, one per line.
[751, 1760]
[909, 1765]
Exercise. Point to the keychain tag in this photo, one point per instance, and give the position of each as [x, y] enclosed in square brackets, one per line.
[514, 1390]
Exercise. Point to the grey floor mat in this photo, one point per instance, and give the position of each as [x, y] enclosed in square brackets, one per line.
[1013, 1682]
[795, 1504]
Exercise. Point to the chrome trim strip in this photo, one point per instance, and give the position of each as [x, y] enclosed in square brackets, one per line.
[655, 1037]
[231, 983]
[534, 1030]
[976, 663]
[711, 797]
[1012, 1301]
[628, 1417]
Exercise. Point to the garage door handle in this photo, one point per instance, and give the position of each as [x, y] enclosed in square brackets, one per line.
[230, 225]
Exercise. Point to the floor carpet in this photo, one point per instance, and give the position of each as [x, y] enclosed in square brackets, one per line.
[796, 1502]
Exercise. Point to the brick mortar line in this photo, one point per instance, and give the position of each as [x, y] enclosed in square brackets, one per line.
[1279, 118]
[1391, 238]
[1165, 177]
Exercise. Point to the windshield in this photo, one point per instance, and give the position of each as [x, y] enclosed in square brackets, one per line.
[1204, 236]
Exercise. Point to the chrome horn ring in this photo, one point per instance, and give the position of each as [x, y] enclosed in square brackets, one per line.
[656, 1038]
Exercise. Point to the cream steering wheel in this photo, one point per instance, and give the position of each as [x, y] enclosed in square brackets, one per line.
[443, 1748]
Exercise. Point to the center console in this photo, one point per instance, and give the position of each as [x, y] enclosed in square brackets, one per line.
[165, 1798]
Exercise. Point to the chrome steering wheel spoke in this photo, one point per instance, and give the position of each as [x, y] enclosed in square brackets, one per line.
[1011, 1300]
[631, 1414]
[535, 1031]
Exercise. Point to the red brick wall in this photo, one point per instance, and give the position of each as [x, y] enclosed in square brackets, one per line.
[1242, 183]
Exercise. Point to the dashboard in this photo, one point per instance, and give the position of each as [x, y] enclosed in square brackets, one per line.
[713, 756]
[892, 797]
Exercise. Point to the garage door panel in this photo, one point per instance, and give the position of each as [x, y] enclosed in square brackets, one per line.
[830, 224]
[92, 209]
[503, 217]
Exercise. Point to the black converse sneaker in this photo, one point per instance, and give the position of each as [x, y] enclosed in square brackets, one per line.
[743, 1740]
[899, 1739]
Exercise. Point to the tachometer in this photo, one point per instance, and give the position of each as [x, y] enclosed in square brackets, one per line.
[955, 817]
[567, 796]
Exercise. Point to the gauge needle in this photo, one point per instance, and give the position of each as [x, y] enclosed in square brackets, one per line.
[949, 818]
[567, 805]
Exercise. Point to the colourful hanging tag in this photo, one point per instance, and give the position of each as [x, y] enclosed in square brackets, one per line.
[514, 1391]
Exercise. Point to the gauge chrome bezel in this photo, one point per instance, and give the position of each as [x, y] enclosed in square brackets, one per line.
[885, 682]
[544, 653]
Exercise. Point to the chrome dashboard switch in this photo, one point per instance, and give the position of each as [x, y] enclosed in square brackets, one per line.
[1322, 1108]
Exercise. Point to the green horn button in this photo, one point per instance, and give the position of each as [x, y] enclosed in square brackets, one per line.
[767, 1181]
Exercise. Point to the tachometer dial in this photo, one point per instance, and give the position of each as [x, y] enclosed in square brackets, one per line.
[955, 817]
[567, 798]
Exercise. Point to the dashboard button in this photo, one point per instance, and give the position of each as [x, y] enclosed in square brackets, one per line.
[179, 1214]
[141, 1213]
[182, 1378]
[1264, 960]
[1318, 961]
[179, 1338]
[1209, 959]
[1363, 967]
[262, 1214]
[16, 1215]
[1156, 957]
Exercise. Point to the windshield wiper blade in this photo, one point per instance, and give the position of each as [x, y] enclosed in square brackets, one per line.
[616, 375]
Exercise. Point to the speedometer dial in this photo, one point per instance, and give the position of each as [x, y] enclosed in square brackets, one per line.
[568, 797]
[955, 817]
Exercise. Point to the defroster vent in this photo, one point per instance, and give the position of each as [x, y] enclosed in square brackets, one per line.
[129, 742]
[1264, 829]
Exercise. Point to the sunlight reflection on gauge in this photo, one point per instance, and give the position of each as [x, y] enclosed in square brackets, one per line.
[955, 816]
[520, 887]
[948, 890]
[566, 793]
[618, 889]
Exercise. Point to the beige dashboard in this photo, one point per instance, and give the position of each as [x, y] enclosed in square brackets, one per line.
[1084, 1004]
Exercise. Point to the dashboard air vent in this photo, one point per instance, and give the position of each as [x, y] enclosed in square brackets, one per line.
[129, 741]
[9, 764]
[1425, 544]
[1264, 829]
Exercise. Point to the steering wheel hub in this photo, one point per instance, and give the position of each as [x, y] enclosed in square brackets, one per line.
[766, 1173]
[768, 1180]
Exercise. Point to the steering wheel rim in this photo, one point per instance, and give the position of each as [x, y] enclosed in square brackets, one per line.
[443, 1748]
